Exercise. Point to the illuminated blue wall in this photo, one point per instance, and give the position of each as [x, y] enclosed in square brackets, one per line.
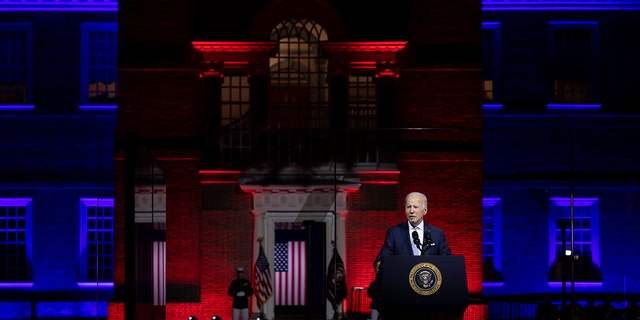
[54, 154]
[538, 154]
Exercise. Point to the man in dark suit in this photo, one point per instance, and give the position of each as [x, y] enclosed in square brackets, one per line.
[414, 237]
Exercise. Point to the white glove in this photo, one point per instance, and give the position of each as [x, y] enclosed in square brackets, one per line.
[240, 294]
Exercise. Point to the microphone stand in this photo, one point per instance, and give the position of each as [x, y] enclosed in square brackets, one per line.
[416, 241]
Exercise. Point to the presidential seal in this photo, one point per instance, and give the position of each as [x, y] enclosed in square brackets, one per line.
[425, 279]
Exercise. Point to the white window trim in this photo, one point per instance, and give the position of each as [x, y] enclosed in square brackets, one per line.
[84, 204]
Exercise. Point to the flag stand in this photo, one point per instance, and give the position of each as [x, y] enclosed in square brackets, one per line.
[262, 280]
[337, 286]
[337, 283]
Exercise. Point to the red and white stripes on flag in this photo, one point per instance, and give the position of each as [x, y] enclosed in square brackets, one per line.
[290, 266]
[159, 273]
[262, 279]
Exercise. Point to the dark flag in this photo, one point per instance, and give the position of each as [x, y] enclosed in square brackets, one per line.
[262, 278]
[336, 283]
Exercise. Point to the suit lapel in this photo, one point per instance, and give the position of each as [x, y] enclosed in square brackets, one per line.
[407, 237]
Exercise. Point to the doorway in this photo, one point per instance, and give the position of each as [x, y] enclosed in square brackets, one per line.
[299, 277]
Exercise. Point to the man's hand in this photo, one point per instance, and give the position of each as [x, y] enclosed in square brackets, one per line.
[240, 294]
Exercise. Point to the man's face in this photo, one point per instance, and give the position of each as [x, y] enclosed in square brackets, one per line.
[415, 210]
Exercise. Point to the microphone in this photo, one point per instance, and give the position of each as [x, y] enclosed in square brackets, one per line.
[416, 240]
[428, 241]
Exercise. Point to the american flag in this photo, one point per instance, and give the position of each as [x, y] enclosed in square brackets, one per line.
[262, 279]
[290, 264]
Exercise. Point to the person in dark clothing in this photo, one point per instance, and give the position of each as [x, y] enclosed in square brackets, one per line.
[372, 292]
[606, 311]
[590, 311]
[547, 310]
[240, 289]
[414, 236]
[632, 310]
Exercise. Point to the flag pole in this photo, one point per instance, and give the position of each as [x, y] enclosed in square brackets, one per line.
[335, 225]
[335, 253]
[262, 279]
[335, 270]
[262, 316]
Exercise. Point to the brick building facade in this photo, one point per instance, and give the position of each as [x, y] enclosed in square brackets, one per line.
[338, 116]
[249, 120]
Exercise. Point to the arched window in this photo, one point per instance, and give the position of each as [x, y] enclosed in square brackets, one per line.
[298, 92]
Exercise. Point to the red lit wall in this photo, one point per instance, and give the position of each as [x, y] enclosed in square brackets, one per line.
[163, 99]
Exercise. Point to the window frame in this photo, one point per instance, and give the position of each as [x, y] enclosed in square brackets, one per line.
[495, 60]
[235, 116]
[298, 87]
[27, 204]
[594, 90]
[362, 104]
[28, 28]
[85, 204]
[493, 207]
[86, 67]
[562, 204]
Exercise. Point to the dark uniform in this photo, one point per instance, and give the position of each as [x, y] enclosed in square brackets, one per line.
[240, 289]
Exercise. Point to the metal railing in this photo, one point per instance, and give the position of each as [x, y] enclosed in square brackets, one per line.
[302, 146]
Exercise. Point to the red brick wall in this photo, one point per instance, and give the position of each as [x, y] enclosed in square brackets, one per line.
[183, 220]
[161, 97]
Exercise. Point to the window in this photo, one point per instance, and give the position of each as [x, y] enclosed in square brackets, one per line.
[492, 240]
[235, 101]
[15, 239]
[15, 65]
[574, 56]
[586, 253]
[362, 116]
[235, 117]
[98, 65]
[298, 113]
[96, 245]
[491, 65]
[298, 92]
[362, 102]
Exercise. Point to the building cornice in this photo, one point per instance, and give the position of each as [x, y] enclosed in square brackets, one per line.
[59, 5]
[487, 5]
[558, 5]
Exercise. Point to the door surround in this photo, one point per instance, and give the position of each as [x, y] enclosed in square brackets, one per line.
[295, 203]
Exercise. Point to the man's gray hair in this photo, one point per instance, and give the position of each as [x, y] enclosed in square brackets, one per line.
[419, 194]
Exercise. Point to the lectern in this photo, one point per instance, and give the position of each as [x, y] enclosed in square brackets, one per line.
[422, 287]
